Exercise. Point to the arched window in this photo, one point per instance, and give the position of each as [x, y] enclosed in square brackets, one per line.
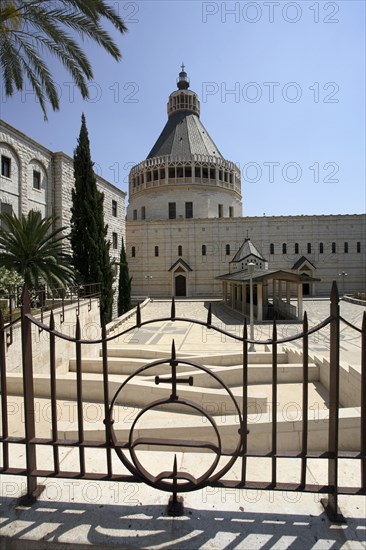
[358, 247]
[309, 248]
[180, 250]
[346, 248]
[133, 252]
[284, 248]
[271, 248]
[321, 248]
[227, 249]
[156, 251]
[296, 248]
[334, 248]
[203, 250]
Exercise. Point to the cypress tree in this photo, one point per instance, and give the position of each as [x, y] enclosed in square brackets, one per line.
[88, 235]
[124, 283]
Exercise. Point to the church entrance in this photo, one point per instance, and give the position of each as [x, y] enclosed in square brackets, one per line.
[180, 285]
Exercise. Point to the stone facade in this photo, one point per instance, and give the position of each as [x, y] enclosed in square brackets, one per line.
[34, 178]
[151, 266]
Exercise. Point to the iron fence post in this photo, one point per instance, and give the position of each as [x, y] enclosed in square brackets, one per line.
[331, 503]
[28, 393]
[363, 403]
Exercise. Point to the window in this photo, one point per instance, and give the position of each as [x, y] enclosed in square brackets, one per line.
[114, 241]
[271, 248]
[358, 247]
[5, 166]
[189, 209]
[231, 211]
[6, 208]
[36, 180]
[135, 214]
[346, 248]
[334, 248]
[143, 212]
[284, 248]
[309, 248]
[156, 251]
[114, 208]
[227, 250]
[172, 211]
[220, 210]
[180, 250]
[296, 248]
[321, 248]
[133, 252]
[203, 250]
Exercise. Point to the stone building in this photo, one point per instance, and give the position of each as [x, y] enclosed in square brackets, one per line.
[185, 225]
[34, 178]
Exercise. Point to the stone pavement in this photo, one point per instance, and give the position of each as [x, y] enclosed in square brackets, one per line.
[73, 512]
[193, 338]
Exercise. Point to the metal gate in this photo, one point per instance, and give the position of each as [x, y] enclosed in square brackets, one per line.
[175, 481]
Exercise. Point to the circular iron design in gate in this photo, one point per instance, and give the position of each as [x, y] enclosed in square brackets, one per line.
[174, 479]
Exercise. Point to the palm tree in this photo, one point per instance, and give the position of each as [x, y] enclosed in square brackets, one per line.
[29, 26]
[29, 246]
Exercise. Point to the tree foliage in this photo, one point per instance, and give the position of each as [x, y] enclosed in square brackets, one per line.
[124, 283]
[9, 278]
[90, 247]
[30, 247]
[28, 27]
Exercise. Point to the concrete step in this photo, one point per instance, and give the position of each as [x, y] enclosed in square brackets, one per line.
[227, 358]
[289, 433]
[231, 375]
[140, 392]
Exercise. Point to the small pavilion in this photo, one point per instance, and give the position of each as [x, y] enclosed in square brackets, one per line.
[272, 289]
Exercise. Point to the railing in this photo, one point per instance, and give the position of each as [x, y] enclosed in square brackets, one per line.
[284, 310]
[42, 300]
[174, 481]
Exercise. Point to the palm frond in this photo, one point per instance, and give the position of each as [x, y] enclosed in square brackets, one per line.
[25, 25]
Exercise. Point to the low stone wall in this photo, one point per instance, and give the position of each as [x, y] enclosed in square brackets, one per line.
[349, 377]
[354, 301]
[90, 330]
[113, 325]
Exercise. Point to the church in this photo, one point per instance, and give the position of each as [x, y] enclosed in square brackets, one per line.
[185, 233]
[184, 225]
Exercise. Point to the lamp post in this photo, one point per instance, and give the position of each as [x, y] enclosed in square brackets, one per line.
[251, 268]
[148, 277]
[343, 274]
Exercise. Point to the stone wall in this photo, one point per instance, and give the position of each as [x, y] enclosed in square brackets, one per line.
[223, 237]
[204, 200]
[65, 350]
[25, 156]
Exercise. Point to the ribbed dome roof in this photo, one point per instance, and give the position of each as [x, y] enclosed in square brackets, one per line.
[184, 134]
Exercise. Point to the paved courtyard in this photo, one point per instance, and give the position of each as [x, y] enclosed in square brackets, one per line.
[192, 338]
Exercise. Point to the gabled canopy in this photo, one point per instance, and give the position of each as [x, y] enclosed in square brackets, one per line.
[180, 263]
[247, 249]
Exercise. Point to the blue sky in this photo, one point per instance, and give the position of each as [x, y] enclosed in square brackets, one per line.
[281, 84]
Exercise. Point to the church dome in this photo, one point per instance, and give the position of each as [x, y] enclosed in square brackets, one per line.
[184, 164]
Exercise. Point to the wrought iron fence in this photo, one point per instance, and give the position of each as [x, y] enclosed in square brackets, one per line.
[175, 481]
[42, 300]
